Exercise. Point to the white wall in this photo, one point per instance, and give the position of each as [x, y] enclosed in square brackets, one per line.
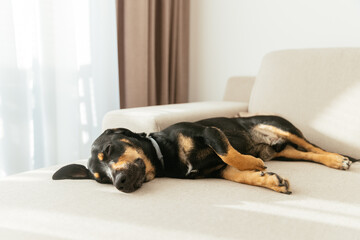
[230, 37]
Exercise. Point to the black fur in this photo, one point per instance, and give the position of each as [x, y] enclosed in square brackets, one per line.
[196, 158]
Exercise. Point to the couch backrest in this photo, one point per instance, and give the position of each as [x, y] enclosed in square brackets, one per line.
[316, 89]
[239, 88]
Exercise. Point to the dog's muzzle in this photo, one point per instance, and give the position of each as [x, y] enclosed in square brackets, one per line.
[131, 177]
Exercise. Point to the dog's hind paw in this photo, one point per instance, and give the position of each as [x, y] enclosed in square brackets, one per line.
[337, 161]
[346, 163]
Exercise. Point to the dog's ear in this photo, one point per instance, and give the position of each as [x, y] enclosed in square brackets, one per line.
[72, 171]
[142, 134]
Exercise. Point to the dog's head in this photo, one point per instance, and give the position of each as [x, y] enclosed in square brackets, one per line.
[118, 156]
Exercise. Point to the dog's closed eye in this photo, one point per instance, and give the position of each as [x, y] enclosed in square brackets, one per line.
[105, 153]
[107, 150]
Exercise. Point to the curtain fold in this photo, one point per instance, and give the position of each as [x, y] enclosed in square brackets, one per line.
[58, 78]
[153, 51]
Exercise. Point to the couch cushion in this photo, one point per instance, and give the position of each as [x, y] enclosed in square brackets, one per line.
[323, 205]
[155, 118]
[316, 89]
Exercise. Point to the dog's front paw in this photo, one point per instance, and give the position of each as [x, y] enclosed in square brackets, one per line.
[275, 182]
[257, 164]
[248, 162]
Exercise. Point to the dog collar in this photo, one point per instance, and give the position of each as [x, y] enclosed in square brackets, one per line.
[157, 149]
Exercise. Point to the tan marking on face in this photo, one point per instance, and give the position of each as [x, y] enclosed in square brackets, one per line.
[100, 156]
[150, 176]
[125, 141]
[96, 175]
[186, 144]
[120, 164]
[130, 155]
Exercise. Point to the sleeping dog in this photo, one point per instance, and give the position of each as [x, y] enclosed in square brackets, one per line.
[231, 148]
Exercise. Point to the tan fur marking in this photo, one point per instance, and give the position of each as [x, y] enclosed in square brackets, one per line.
[242, 161]
[128, 156]
[186, 144]
[132, 154]
[96, 175]
[149, 176]
[255, 178]
[291, 152]
[120, 164]
[313, 153]
[100, 156]
[238, 160]
[289, 136]
[332, 160]
[125, 141]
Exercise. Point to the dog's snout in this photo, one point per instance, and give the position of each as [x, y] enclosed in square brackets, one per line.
[129, 178]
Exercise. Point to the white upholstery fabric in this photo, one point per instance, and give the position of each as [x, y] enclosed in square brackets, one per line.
[156, 118]
[239, 89]
[316, 89]
[325, 204]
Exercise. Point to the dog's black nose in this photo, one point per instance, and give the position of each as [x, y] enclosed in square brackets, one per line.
[120, 181]
[121, 177]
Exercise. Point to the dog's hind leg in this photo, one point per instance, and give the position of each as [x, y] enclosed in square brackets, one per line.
[257, 178]
[311, 153]
[270, 130]
[332, 160]
[218, 141]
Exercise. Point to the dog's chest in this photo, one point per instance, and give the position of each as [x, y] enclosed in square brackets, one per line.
[186, 147]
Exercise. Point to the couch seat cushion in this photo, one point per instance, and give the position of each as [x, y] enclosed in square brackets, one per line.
[324, 205]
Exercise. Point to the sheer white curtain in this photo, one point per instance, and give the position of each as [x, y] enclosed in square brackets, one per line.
[58, 77]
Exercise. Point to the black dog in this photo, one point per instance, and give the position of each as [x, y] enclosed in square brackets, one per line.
[229, 148]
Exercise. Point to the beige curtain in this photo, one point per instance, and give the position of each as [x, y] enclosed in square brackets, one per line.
[153, 50]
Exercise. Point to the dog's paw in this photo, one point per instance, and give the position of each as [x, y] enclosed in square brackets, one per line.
[275, 182]
[259, 164]
[337, 161]
[346, 163]
[248, 162]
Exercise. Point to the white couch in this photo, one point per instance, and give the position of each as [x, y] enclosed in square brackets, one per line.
[317, 89]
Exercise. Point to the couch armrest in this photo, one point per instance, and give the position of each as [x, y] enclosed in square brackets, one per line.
[239, 89]
[156, 118]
